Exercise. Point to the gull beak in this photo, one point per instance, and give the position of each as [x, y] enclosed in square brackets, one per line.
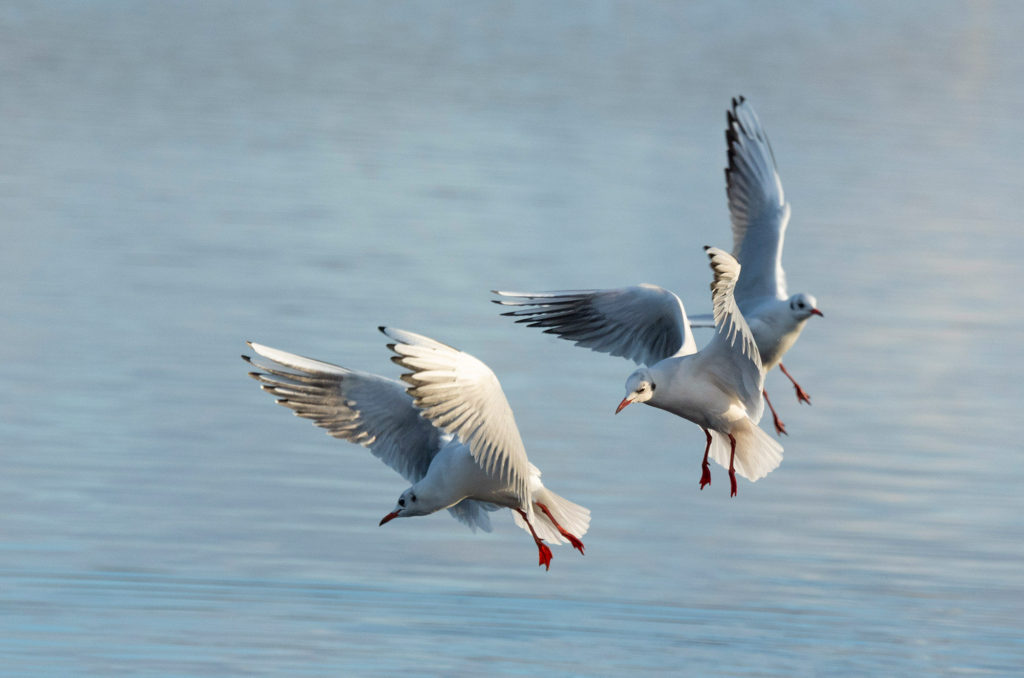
[622, 405]
[815, 311]
[388, 517]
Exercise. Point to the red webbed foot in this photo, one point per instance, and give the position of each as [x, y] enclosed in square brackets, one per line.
[571, 538]
[705, 469]
[732, 482]
[705, 475]
[780, 428]
[574, 540]
[545, 555]
[801, 395]
[542, 548]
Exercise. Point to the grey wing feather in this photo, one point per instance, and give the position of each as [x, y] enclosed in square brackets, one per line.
[362, 408]
[474, 513]
[757, 205]
[643, 323]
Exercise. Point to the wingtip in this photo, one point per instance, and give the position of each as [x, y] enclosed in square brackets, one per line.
[718, 253]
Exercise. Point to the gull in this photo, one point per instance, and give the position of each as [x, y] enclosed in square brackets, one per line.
[718, 388]
[759, 214]
[448, 430]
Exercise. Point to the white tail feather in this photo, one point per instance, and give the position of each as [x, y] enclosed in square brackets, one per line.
[573, 518]
[757, 454]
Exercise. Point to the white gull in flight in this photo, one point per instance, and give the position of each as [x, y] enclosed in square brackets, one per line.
[718, 388]
[449, 431]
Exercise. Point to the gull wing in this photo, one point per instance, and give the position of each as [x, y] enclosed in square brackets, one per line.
[362, 408]
[757, 205]
[643, 323]
[460, 394]
[732, 350]
[473, 513]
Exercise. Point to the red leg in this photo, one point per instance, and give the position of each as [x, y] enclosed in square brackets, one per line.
[732, 469]
[705, 470]
[801, 395]
[573, 539]
[780, 428]
[545, 552]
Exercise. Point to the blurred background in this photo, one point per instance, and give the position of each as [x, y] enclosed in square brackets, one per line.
[178, 178]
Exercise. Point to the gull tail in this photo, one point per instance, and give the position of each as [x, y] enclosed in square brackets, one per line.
[757, 453]
[572, 518]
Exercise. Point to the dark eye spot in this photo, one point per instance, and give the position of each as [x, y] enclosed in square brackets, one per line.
[653, 386]
[412, 496]
[401, 502]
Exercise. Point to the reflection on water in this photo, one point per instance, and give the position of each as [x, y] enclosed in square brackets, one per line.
[180, 178]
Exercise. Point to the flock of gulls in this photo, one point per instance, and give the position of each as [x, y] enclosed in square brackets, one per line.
[447, 427]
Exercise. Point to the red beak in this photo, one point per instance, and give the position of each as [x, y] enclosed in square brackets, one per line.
[625, 401]
[388, 517]
[815, 311]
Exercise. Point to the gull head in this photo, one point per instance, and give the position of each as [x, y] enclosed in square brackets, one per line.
[408, 506]
[639, 388]
[803, 306]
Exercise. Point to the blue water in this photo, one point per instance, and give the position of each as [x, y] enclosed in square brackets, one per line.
[177, 178]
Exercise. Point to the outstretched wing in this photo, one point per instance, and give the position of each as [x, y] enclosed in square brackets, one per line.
[643, 323]
[461, 395]
[359, 407]
[757, 205]
[732, 349]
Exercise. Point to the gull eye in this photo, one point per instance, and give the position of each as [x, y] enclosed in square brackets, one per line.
[401, 502]
[653, 386]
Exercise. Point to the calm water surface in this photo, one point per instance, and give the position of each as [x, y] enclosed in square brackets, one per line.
[178, 178]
